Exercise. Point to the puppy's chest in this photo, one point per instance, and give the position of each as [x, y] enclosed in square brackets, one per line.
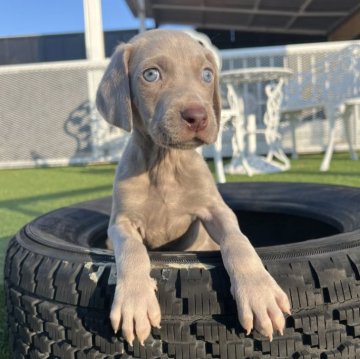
[163, 216]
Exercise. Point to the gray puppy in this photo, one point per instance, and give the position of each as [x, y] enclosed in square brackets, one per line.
[163, 87]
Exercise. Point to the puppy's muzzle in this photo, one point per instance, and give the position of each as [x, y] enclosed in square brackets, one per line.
[195, 118]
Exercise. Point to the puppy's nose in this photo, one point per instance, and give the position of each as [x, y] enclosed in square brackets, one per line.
[195, 117]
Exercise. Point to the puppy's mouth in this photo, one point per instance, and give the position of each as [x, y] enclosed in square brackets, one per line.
[188, 145]
[172, 132]
[181, 145]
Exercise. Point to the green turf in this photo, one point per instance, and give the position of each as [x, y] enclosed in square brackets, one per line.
[28, 193]
[343, 171]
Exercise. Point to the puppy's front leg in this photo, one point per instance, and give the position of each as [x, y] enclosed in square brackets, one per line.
[135, 307]
[260, 301]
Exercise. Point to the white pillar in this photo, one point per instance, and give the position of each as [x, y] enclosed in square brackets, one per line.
[94, 35]
[141, 14]
[95, 52]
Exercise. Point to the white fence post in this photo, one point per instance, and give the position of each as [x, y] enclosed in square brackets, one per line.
[95, 51]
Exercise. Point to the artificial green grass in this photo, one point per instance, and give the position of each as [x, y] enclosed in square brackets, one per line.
[28, 193]
[343, 171]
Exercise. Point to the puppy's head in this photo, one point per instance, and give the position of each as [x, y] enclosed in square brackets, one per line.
[164, 83]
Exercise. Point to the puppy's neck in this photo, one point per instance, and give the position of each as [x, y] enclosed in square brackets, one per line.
[160, 162]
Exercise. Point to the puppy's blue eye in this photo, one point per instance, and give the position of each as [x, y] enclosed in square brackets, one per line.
[207, 75]
[151, 75]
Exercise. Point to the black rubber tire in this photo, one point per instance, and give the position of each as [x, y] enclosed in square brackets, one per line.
[59, 285]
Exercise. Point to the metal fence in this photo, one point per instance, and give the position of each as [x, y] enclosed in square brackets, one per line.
[47, 115]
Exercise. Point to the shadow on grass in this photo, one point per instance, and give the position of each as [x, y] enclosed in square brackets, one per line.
[97, 170]
[327, 174]
[18, 204]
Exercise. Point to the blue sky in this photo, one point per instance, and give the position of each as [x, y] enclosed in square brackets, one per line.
[36, 17]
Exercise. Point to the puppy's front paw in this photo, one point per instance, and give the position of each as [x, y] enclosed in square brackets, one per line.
[260, 303]
[135, 309]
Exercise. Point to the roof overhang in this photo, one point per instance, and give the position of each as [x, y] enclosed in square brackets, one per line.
[306, 17]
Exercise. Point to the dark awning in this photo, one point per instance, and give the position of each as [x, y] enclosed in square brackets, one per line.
[311, 17]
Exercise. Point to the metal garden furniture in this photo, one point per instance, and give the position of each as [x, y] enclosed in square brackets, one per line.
[244, 158]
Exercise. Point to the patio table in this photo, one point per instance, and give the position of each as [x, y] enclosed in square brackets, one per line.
[249, 163]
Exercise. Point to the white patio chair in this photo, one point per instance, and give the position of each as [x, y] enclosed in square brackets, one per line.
[333, 85]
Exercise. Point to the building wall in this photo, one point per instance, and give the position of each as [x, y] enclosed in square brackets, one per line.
[32, 49]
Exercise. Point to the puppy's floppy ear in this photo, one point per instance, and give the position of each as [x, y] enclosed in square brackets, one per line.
[113, 95]
[216, 96]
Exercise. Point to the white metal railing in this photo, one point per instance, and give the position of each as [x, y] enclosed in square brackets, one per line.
[47, 116]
